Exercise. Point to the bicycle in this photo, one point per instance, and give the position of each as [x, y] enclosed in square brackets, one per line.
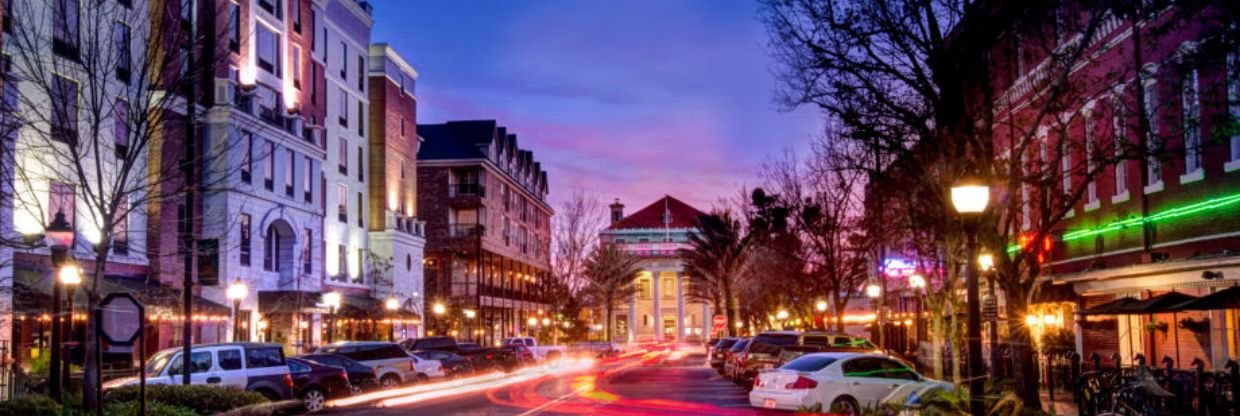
[1130, 400]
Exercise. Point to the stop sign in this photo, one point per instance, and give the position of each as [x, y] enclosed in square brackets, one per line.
[719, 322]
[120, 318]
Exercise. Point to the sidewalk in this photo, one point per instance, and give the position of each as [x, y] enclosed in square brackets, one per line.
[1063, 405]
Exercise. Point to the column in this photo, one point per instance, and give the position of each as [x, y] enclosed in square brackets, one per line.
[680, 307]
[657, 281]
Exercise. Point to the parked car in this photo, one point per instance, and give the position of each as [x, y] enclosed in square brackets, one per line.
[393, 366]
[453, 365]
[468, 347]
[714, 352]
[256, 367]
[730, 356]
[361, 376]
[540, 352]
[521, 354]
[840, 382]
[485, 360]
[772, 349]
[431, 344]
[593, 349]
[314, 383]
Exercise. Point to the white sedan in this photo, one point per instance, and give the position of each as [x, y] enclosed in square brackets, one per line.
[840, 382]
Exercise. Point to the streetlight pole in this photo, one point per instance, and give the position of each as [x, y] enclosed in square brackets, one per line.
[392, 304]
[70, 277]
[821, 307]
[970, 199]
[59, 236]
[469, 322]
[918, 283]
[987, 263]
[874, 291]
[237, 292]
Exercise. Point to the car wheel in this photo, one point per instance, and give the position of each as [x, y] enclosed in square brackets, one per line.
[422, 378]
[313, 399]
[845, 406]
[389, 381]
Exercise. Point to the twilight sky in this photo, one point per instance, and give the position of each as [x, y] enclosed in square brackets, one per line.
[626, 100]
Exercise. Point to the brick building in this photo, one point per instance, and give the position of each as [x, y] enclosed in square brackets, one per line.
[488, 231]
[1163, 220]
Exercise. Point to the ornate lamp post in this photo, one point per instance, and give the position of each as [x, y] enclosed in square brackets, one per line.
[332, 301]
[70, 277]
[874, 292]
[821, 307]
[392, 304]
[986, 262]
[970, 198]
[237, 291]
[918, 283]
[60, 237]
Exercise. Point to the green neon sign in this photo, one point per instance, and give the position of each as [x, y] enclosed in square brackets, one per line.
[1176, 212]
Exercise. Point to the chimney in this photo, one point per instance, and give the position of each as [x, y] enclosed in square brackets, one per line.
[617, 211]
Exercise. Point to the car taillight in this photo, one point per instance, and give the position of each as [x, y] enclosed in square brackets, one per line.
[802, 383]
[288, 380]
[757, 381]
[344, 374]
[741, 359]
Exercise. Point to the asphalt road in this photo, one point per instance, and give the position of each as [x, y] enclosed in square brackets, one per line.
[659, 383]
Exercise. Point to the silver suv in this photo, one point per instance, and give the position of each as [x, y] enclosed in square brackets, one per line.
[255, 367]
[393, 366]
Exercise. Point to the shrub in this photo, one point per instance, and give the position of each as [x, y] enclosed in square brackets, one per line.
[31, 405]
[204, 400]
[152, 409]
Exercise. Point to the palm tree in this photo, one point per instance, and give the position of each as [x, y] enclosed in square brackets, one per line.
[610, 275]
[718, 255]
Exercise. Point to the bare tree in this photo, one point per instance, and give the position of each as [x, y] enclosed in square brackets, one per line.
[99, 89]
[575, 230]
[610, 275]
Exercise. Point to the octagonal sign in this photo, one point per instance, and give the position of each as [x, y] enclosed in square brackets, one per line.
[120, 318]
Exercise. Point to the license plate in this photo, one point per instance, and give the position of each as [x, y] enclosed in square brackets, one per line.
[768, 403]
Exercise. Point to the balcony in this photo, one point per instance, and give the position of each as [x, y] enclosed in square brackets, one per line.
[464, 230]
[405, 224]
[468, 189]
[653, 249]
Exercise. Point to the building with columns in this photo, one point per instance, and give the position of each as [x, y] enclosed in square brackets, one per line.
[660, 310]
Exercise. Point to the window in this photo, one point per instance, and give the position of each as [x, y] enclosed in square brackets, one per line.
[244, 227]
[288, 173]
[402, 126]
[120, 35]
[294, 10]
[1233, 106]
[360, 209]
[271, 6]
[64, 108]
[669, 288]
[1190, 108]
[344, 108]
[66, 28]
[230, 359]
[361, 117]
[297, 368]
[342, 261]
[1091, 190]
[361, 162]
[643, 289]
[1065, 164]
[344, 61]
[314, 85]
[342, 203]
[296, 57]
[268, 49]
[270, 168]
[864, 367]
[199, 362]
[361, 73]
[357, 261]
[1119, 128]
[120, 233]
[234, 26]
[247, 157]
[1153, 168]
[342, 157]
[120, 128]
[306, 247]
[897, 370]
[60, 199]
[264, 357]
[307, 179]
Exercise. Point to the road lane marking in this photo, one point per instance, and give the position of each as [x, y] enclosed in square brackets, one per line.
[559, 400]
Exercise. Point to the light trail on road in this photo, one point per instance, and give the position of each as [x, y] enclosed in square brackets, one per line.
[413, 394]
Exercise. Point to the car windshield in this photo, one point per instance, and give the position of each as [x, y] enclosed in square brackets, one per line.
[725, 344]
[740, 345]
[158, 362]
[809, 363]
[776, 339]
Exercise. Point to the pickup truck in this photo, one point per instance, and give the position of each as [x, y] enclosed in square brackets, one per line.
[540, 352]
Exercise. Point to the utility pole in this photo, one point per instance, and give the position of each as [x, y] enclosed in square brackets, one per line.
[187, 166]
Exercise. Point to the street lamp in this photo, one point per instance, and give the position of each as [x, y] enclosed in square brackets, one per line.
[237, 292]
[970, 197]
[70, 277]
[392, 304]
[332, 301]
[60, 237]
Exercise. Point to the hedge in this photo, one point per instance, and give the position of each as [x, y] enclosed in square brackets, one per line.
[203, 400]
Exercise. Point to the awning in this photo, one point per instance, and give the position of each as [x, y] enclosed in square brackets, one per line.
[287, 301]
[1165, 302]
[360, 307]
[1109, 308]
[1228, 298]
[1049, 292]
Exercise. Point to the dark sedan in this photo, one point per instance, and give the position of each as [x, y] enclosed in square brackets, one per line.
[454, 366]
[315, 383]
[361, 376]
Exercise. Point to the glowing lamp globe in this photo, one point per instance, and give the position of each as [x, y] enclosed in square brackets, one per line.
[970, 198]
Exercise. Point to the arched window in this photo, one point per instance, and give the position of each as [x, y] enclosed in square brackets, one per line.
[271, 244]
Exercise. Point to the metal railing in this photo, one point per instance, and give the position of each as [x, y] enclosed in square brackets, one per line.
[1194, 391]
[469, 189]
[464, 230]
